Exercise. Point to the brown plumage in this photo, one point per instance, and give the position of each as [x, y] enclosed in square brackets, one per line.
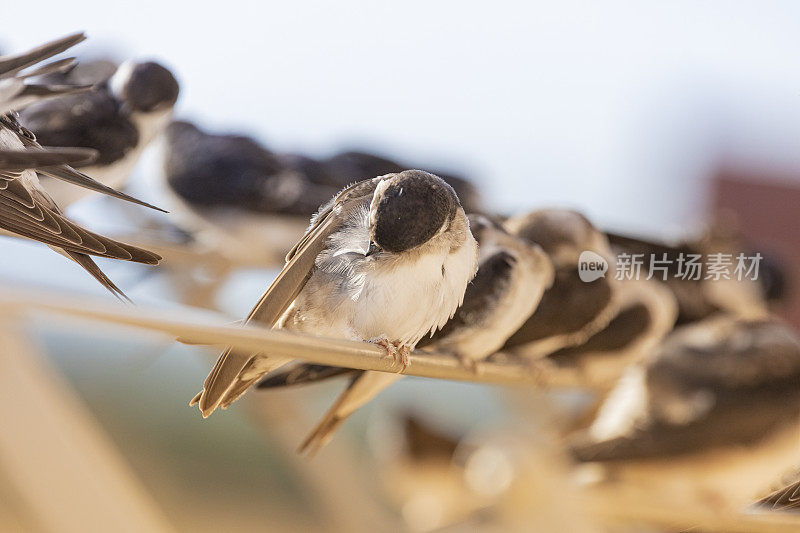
[26, 208]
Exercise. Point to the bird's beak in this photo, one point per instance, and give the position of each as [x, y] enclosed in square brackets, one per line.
[373, 248]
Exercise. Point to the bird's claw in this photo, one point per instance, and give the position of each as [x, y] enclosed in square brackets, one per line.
[384, 342]
[405, 355]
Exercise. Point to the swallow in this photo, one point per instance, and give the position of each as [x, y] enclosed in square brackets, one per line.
[28, 210]
[118, 118]
[235, 195]
[710, 419]
[512, 276]
[647, 312]
[387, 261]
[571, 311]
[16, 92]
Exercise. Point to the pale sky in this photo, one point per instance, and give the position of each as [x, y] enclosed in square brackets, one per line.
[617, 108]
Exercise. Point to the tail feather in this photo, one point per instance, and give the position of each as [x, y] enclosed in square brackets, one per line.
[231, 377]
[91, 267]
[363, 388]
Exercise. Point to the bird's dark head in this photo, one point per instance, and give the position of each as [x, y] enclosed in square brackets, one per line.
[145, 86]
[408, 209]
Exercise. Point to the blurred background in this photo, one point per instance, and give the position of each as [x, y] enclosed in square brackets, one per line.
[653, 118]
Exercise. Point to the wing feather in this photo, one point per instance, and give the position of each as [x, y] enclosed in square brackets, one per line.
[284, 289]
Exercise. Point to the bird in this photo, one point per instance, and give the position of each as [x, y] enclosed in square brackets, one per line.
[710, 419]
[235, 196]
[28, 210]
[512, 276]
[647, 312]
[572, 310]
[387, 261]
[118, 118]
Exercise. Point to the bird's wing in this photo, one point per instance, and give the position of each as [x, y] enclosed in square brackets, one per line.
[29, 158]
[284, 289]
[100, 124]
[11, 64]
[76, 177]
[630, 324]
[569, 307]
[26, 94]
[785, 498]
[35, 216]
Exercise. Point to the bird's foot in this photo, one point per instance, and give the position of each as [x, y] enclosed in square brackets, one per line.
[384, 342]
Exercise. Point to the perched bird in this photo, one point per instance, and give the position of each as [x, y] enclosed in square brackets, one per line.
[16, 91]
[512, 275]
[572, 310]
[386, 261]
[28, 210]
[236, 196]
[118, 118]
[710, 420]
[647, 313]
